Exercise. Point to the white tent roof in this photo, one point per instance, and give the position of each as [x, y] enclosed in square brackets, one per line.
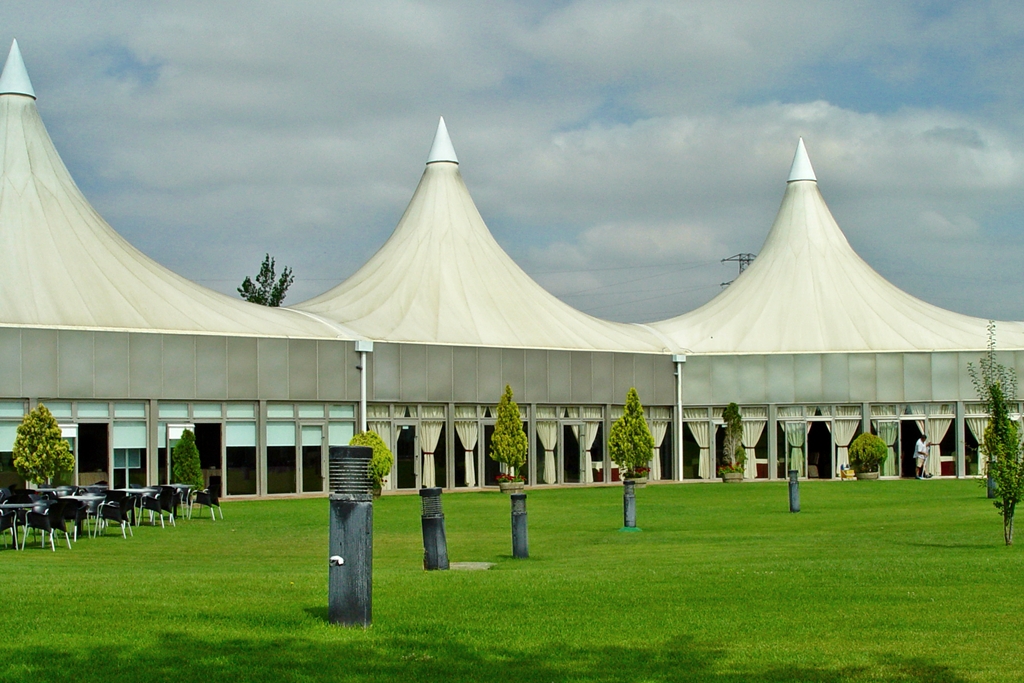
[442, 278]
[808, 291]
[61, 265]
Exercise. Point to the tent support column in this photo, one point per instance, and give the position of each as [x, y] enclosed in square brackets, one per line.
[961, 442]
[677, 439]
[363, 347]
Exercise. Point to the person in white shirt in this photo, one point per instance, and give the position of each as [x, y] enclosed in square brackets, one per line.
[921, 455]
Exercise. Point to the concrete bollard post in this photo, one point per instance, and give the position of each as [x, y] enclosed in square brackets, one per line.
[794, 491]
[350, 543]
[628, 504]
[435, 543]
[520, 545]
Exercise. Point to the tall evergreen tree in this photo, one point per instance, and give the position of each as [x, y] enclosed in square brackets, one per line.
[509, 443]
[630, 442]
[40, 453]
[185, 462]
[267, 291]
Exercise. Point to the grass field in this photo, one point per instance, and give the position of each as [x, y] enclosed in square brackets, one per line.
[887, 581]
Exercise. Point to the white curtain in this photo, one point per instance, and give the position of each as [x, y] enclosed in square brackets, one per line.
[658, 419]
[383, 430]
[590, 436]
[752, 430]
[702, 435]
[796, 435]
[468, 431]
[921, 424]
[548, 434]
[843, 433]
[978, 424]
[887, 431]
[937, 428]
[430, 432]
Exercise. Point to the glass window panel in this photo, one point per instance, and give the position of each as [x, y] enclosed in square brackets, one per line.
[343, 411]
[240, 434]
[8, 431]
[60, 409]
[93, 410]
[12, 408]
[69, 431]
[312, 436]
[129, 410]
[173, 410]
[280, 434]
[241, 410]
[311, 410]
[280, 410]
[340, 433]
[129, 435]
[281, 468]
[241, 462]
[206, 410]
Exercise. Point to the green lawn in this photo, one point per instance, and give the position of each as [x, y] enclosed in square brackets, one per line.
[887, 581]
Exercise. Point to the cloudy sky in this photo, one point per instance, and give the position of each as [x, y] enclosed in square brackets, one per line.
[617, 150]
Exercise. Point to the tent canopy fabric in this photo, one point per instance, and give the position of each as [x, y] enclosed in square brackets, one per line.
[62, 266]
[809, 292]
[441, 278]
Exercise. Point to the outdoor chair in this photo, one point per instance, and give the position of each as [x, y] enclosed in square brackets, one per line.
[47, 517]
[76, 512]
[116, 508]
[210, 499]
[157, 505]
[23, 497]
[9, 522]
[4, 495]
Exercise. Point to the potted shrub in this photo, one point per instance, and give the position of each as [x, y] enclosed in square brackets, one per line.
[630, 442]
[867, 453]
[40, 453]
[185, 464]
[380, 461]
[509, 444]
[734, 456]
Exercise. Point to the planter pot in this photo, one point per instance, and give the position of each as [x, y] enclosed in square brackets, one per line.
[867, 475]
[376, 492]
[510, 486]
[638, 482]
[732, 477]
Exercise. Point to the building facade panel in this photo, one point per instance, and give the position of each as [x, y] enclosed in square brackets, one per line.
[488, 375]
[917, 376]
[76, 363]
[145, 365]
[559, 376]
[179, 366]
[211, 367]
[39, 362]
[781, 369]
[603, 369]
[807, 377]
[330, 359]
[112, 376]
[945, 376]
[725, 379]
[440, 365]
[697, 380]
[302, 370]
[387, 365]
[10, 362]
[243, 368]
[582, 369]
[413, 366]
[752, 377]
[464, 368]
[513, 371]
[536, 377]
[889, 377]
[863, 386]
[835, 374]
[272, 368]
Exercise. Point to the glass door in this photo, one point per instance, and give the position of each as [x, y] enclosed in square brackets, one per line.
[572, 453]
[312, 458]
[407, 458]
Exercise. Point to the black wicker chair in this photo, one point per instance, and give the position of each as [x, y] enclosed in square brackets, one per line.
[9, 522]
[209, 498]
[47, 517]
[118, 507]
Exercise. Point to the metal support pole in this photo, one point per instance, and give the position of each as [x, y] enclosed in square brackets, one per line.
[520, 544]
[794, 491]
[435, 543]
[363, 347]
[350, 544]
[628, 505]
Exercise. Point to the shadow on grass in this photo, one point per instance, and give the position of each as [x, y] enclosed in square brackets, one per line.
[369, 656]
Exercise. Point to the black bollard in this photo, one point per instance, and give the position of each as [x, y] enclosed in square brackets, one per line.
[350, 573]
[991, 484]
[628, 505]
[794, 491]
[520, 546]
[435, 544]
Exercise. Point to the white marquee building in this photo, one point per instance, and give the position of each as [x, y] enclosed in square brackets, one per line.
[812, 343]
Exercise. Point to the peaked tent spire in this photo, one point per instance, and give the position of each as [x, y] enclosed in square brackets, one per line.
[14, 79]
[801, 168]
[442, 149]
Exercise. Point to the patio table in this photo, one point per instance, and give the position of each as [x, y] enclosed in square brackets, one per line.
[93, 500]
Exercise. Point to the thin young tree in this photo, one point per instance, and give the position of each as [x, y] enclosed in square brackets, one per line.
[268, 290]
[40, 453]
[732, 447]
[508, 442]
[630, 442]
[997, 387]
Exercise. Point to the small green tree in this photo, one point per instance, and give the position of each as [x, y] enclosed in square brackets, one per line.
[380, 462]
[630, 442]
[509, 443]
[40, 453]
[997, 387]
[734, 456]
[867, 452]
[267, 291]
[185, 462]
